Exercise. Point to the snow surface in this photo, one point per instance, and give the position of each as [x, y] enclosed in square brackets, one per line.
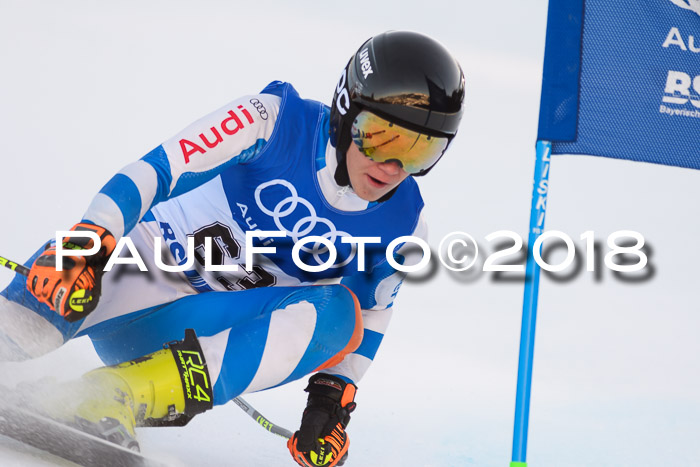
[87, 87]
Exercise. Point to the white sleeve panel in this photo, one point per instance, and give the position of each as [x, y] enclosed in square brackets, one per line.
[222, 135]
[146, 180]
[233, 134]
[109, 211]
[377, 318]
[354, 366]
[387, 288]
[377, 321]
[105, 212]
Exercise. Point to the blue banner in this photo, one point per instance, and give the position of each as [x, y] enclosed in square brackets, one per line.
[621, 79]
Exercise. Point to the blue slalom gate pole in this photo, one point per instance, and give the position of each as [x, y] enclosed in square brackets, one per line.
[538, 210]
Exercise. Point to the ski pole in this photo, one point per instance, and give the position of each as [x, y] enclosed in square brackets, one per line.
[16, 267]
[262, 421]
[240, 402]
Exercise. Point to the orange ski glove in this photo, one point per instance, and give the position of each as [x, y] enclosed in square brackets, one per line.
[74, 292]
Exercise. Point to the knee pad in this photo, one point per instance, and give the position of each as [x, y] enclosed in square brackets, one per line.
[344, 305]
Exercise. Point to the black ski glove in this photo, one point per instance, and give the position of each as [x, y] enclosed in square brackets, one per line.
[321, 440]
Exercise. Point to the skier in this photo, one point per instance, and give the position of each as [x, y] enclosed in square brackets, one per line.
[262, 163]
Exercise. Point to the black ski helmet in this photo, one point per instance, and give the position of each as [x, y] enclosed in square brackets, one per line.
[404, 77]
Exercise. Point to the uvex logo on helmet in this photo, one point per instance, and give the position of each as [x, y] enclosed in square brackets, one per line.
[365, 63]
[229, 125]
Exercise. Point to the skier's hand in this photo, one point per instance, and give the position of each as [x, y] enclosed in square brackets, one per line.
[321, 440]
[74, 292]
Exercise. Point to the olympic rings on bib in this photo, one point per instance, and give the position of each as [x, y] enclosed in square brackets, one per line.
[305, 225]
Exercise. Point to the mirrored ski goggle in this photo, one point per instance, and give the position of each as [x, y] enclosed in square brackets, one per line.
[383, 141]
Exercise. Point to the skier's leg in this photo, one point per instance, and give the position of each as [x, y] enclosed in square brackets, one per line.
[167, 387]
[252, 340]
[313, 329]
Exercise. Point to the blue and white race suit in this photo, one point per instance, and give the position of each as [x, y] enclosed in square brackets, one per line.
[260, 163]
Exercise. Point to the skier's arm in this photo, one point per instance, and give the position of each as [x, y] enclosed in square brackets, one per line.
[234, 134]
[376, 292]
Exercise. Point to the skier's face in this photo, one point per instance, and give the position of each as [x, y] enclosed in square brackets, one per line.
[372, 180]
